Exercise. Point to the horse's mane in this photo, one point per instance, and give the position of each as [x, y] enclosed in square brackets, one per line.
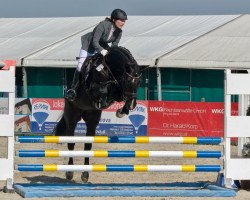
[127, 53]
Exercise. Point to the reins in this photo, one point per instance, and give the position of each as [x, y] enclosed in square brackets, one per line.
[105, 64]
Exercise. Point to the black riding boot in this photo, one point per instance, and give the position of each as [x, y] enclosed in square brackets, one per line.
[71, 93]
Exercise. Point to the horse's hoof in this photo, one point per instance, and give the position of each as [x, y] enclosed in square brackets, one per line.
[69, 175]
[85, 177]
[119, 113]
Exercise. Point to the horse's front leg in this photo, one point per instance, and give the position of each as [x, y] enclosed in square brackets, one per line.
[85, 175]
[69, 174]
[71, 116]
[91, 119]
[129, 105]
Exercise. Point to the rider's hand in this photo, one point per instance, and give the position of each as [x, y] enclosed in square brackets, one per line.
[104, 52]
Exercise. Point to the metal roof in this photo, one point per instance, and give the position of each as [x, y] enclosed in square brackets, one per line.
[21, 37]
[226, 47]
[55, 42]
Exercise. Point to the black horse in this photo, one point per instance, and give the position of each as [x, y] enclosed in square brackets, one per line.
[115, 77]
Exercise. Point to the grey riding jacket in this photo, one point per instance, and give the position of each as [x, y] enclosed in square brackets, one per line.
[98, 39]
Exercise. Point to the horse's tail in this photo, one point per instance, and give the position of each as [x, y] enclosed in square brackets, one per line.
[60, 128]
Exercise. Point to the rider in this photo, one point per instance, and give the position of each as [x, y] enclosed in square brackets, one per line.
[107, 31]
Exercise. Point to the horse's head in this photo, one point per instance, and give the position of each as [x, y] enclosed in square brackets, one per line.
[131, 81]
[130, 77]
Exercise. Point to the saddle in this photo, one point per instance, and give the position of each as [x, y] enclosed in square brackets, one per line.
[99, 82]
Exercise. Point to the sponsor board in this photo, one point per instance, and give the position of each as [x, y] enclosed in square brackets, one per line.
[152, 118]
[22, 113]
[133, 124]
[187, 118]
[47, 112]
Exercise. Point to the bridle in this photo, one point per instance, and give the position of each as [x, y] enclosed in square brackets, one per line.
[124, 80]
[134, 79]
[109, 71]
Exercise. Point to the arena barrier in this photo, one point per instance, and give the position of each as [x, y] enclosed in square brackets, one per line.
[7, 85]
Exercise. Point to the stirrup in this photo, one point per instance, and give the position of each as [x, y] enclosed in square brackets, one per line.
[71, 95]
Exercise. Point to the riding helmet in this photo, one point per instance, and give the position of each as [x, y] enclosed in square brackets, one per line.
[118, 14]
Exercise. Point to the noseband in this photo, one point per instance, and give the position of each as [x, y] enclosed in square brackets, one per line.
[133, 79]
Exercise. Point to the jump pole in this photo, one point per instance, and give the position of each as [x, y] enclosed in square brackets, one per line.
[121, 139]
[119, 168]
[119, 154]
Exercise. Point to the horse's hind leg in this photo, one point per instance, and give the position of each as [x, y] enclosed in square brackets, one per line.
[85, 175]
[69, 174]
[91, 119]
[71, 116]
[71, 129]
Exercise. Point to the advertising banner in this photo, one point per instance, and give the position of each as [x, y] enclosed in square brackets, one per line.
[130, 125]
[47, 112]
[152, 118]
[22, 113]
[200, 119]
[4, 106]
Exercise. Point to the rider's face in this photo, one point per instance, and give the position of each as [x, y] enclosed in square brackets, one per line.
[119, 23]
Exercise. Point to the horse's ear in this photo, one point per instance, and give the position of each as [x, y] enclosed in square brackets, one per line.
[143, 67]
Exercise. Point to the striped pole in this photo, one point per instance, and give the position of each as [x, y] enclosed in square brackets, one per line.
[123, 139]
[120, 168]
[176, 154]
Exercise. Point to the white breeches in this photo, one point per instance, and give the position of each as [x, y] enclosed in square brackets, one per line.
[82, 57]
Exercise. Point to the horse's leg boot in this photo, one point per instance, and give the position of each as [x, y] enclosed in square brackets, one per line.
[103, 100]
[71, 93]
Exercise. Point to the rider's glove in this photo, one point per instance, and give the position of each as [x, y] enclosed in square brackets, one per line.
[104, 52]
